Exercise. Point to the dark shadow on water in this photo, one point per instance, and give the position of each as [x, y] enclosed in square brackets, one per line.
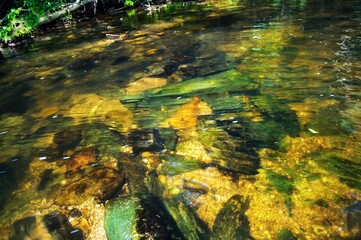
[13, 99]
[119, 60]
[11, 173]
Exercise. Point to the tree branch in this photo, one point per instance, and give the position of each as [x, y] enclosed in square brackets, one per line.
[58, 14]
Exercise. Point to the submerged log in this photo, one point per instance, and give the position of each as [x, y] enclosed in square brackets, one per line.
[214, 89]
[70, 8]
[223, 82]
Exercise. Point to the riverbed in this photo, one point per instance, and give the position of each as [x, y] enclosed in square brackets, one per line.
[212, 120]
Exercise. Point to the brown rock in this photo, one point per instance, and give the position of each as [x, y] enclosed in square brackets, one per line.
[145, 83]
[100, 184]
[68, 138]
[187, 115]
[82, 159]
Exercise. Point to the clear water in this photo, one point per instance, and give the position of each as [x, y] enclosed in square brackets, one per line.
[197, 103]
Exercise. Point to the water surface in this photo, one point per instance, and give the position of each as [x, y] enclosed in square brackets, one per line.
[245, 112]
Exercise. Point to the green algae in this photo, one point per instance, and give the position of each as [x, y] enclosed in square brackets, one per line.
[231, 221]
[282, 184]
[349, 172]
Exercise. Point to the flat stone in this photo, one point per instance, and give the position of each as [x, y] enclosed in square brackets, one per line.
[68, 138]
[82, 159]
[99, 184]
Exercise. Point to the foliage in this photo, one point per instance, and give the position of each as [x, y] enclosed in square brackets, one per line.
[129, 3]
[24, 15]
[14, 24]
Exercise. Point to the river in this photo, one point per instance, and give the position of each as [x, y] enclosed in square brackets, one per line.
[213, 120]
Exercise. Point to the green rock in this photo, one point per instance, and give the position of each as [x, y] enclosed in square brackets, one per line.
[254, 135]
[231, 221]
[224, 153]
[219, 82]
[170, 138]
[139, 217]
[189, 224]
[225, 102]
[219, 90]
[175, 164]
[120, 218]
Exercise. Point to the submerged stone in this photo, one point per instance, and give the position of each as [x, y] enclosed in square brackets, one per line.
[215, 83]
[109, 111]
[60, 228]
[187, 115]
[176, 164]
[100, 184]
[170, 138]
[231, 221]
[189, 224]
[223, 150]
[82, 159]
[84, 64]
[68, 138]
[45, 178]
[353, 220]
[147, 140]
[51, 154]
[144, 84]
[139, 217]
[28, 228]
[53, 226]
